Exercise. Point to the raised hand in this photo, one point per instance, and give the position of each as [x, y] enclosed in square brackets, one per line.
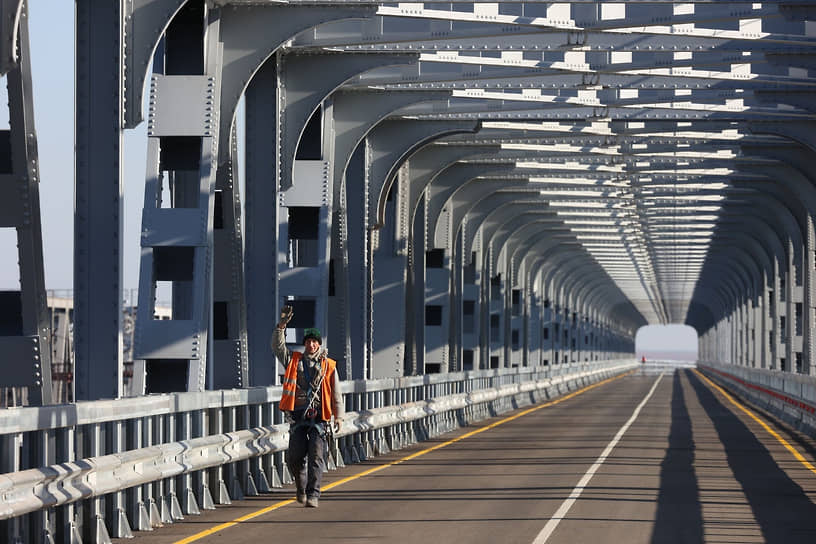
[286, 315]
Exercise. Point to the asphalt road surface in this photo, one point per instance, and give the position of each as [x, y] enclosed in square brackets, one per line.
[651, 457]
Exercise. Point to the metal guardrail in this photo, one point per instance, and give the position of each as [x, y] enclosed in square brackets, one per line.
[167, 446]
[791, 397]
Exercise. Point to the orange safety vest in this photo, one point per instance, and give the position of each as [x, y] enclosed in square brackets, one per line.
[287, 402]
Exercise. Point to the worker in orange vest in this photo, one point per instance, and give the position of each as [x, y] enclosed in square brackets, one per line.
[312, 404]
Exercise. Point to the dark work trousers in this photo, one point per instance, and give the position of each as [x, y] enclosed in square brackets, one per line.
[306, 457]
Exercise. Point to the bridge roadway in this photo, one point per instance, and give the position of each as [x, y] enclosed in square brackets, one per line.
[691, 466]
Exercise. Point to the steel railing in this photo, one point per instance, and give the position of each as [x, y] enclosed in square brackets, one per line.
[789, 396]
[142, 462]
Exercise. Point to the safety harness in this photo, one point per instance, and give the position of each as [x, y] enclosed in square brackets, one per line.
[309, 416]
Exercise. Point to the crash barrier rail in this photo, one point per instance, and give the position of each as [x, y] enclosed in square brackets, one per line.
[790, 397]
[80, 469]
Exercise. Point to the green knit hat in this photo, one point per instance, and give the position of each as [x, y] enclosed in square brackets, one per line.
[313, 333]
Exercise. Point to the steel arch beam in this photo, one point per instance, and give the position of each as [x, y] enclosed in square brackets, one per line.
[727, 289]
[426, 164]
[524, 214]
[453, 178]
[356, 113]
[146, 21]
[800, 132]
[465, 198]
[555, 266]
[10, 14]
[734, 283]
[252, 34]
[772, 243]
[482, 212]
[539, 269]
[305, 81]
[391, 143]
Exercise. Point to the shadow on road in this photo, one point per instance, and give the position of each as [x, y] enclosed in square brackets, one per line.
[782, 510]
[679, 516]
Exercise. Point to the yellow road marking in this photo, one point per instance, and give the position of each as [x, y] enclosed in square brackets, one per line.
[799, 457]
[372, 470]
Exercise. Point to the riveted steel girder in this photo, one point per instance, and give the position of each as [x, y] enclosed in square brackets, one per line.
[252, 34]
[519, 242]
[305, 82]
[357, 112]
[98, 196]
[564, 272]
[145, 23]
[481, 212]
[487, 37]
[179, 354]
[354, 115]
[516, 217]
[798, 131]
[261, 224]
[11, 12]
[557, 265]
[426, 164]
[464, 198]
[392, 142]
[448, 182]
[25, 333]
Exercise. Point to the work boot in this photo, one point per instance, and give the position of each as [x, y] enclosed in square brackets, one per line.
[311, 502]
[301, 498]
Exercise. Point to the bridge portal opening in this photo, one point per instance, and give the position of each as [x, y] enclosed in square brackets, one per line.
[667, 343]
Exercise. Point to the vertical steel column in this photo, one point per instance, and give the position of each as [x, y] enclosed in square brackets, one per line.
[177, 240]
[809, 302]
[774, 314]
[339, 304]
[358, 257]
[389, 263]
[25, 336]
[98, 199]
[790, 315]
[261, 259]
[763, 345]
[456, 304]
[506, 309]
[739, 332]
[229, 357]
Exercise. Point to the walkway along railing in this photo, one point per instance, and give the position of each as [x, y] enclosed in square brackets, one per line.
[79, 469]
[790, 397]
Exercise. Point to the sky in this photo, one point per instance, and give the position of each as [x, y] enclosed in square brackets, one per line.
[666, 342]
[52, 60]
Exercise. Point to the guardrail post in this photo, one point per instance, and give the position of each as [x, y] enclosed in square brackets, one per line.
[97, 528]
[135, 503]
[119, 522]
[160, 436]
[152, 490]
[233, 470]
[189, 506]
[202, 478]
[272, 462]
[9, 462]
[252, 420]
[217, 474]
[173, 483]
[280, 460]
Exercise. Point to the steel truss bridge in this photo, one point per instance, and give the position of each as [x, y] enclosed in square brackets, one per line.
[472, 200]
